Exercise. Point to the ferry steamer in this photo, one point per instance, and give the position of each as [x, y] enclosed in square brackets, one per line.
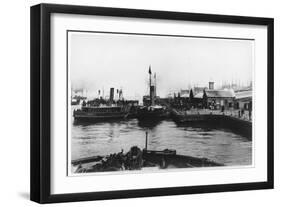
[96, 113]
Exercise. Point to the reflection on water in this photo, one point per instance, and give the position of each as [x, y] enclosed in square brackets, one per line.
[216, 144]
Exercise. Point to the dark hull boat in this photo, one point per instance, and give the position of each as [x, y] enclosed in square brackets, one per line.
[150, 113]
[169, 159]
[137, 159]
[101, 109]
[89, 113]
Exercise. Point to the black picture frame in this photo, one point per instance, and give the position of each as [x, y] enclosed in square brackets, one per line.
[41, 102]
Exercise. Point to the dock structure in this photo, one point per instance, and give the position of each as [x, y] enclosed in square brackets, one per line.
[230, 113]
[230, 119]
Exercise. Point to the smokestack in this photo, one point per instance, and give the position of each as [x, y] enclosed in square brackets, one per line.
[152, 95]
[211, 85]
[111, 96]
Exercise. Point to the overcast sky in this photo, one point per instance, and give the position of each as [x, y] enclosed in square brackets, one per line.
[99, 60]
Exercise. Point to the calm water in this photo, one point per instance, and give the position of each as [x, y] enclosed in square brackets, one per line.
[200, 141]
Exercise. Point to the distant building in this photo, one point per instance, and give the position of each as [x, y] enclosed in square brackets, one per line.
[197, 90]
[214, 99]
[211, 85]
[217, 99]
[184, 93]
[243, 99]
[198, 100]
[209, 97]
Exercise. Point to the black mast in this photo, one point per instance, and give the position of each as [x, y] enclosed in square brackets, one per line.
[150, 91]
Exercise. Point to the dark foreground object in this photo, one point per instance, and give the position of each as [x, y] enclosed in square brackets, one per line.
[137, 159]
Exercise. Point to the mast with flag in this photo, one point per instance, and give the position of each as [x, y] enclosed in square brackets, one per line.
[149, 71]
[150, 92]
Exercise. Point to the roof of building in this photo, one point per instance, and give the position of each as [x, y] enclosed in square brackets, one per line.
[216, 94]
[197, 89]
[220, 93]
[244, 94]
[184, 93]
[199, 95]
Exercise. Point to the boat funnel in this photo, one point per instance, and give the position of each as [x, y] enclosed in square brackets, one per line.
[111, 96]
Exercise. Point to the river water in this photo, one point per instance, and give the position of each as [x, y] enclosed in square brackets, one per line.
[104, 138]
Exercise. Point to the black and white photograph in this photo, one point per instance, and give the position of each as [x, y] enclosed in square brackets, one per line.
[129, 103]
[154, 102]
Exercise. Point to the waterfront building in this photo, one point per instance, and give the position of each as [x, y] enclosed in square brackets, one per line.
[218, 99]
[215, 98]
[184, 93]
[243, 99]
[197, 90]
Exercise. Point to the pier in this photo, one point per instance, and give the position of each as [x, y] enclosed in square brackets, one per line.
[230, 119]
